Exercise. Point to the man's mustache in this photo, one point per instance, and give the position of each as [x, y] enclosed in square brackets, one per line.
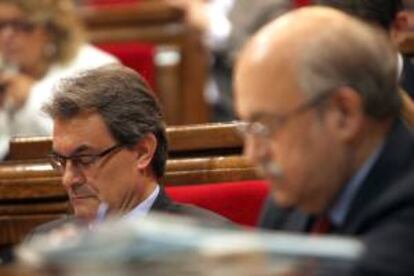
[82, 191]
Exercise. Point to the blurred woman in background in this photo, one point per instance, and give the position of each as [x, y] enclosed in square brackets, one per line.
[41, 41]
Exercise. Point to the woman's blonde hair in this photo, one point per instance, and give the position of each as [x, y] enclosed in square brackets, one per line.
[60, 20]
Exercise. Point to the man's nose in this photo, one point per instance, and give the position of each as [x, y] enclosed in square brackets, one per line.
[71, 175]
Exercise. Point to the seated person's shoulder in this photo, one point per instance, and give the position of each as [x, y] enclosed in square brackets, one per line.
[53, 225]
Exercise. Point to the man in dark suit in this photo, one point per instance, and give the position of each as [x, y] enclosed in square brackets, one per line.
[110, 146]
[318, 92]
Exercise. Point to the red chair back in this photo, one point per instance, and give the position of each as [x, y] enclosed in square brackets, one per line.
[136, 55]
[301, 3]
[241, 202]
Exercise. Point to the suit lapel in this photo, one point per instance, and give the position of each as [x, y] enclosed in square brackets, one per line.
[162, 202]
[394, 162]
[297, 222]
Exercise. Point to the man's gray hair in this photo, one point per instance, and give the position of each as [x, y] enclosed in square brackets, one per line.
[357, 56]
[123, 99]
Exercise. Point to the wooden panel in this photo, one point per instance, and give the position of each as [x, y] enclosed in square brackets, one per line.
[44, 183]
[28, 148]
[407, 47]
[214, 176]
[168, 60]
[172, 34]
[13, 229]
[163, 24]
[148, 12]
[204, 137]
[212, 139]
[35, 208]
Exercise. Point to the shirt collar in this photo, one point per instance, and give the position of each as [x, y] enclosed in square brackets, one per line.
[340, 209]
[400, 66]
[143, 208]
[140, 210]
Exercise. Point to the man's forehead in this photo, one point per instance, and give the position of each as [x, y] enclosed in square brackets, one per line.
[81, 122]
[261, 93]
[80, 133]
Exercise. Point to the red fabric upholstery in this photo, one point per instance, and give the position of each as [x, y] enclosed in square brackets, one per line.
[239, 201]
[136, 55]
[301, 3]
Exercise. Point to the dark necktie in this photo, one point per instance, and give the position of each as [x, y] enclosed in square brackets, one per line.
[321, 225]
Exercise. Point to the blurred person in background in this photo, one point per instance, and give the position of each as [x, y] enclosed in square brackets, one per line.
[226, 25]
[41, 41]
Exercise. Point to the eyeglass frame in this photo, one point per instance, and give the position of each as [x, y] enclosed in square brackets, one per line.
[18, 25]
[261, 130]
[59, 161]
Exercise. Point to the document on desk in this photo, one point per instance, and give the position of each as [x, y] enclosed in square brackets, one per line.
[169, 245]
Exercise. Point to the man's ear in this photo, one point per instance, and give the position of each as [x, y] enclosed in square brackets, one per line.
[400, 28]
[346, 115]
[401, 21]
[145, 150]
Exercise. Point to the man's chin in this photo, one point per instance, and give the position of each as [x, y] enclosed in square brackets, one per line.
[84, 215]
[85, 208]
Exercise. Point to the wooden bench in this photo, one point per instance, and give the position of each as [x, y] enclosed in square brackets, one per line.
[180, 58]
[31, 191]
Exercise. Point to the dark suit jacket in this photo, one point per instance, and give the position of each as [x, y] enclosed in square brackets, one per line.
[162, 204]
[407, 77]
[382, 213]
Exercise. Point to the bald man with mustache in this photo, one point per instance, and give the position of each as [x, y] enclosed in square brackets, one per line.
[318, 97]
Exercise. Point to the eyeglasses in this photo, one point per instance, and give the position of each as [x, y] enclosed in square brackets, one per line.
[81, 161]
[265, 125]
[18, 25]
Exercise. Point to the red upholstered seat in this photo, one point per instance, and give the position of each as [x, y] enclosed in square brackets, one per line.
[239, 201]
[300, 3]
[136, 55]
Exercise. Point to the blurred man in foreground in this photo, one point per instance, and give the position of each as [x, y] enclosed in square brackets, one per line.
[110, 145]
[317, 90]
